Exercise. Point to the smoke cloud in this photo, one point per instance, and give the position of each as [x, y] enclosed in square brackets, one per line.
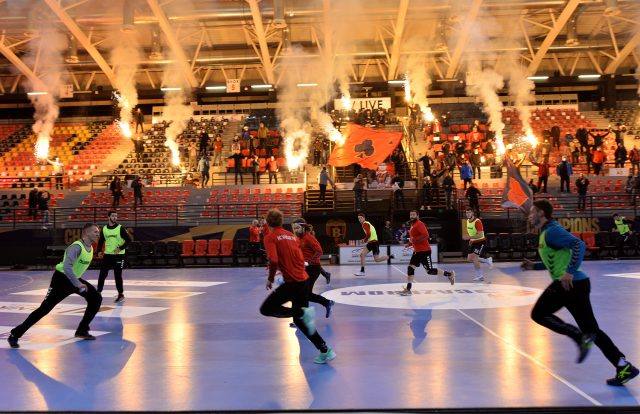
[124, 59]
[484, 85]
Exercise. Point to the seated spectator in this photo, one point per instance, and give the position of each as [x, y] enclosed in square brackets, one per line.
[402, 234]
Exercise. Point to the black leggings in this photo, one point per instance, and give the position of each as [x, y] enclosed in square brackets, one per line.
[59, 289]
[296, 293]
[578, 304]
[314, 272]
[115, 262]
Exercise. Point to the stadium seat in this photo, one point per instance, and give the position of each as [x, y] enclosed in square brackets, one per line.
[187, 248]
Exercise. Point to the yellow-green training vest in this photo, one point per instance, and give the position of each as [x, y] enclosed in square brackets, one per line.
[82, 264]
[372, 230]
[623, 228]
[471, 228]
[112, 239]
[556, 261]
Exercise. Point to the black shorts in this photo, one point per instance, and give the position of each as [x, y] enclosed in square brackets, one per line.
[477, 248]
[421, 258]
[374, 247]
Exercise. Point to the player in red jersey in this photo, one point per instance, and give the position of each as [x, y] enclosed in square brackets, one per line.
[419, 240]
[284, 254]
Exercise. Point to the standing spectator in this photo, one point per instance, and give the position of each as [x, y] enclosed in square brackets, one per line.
[618, 130]
[204, 143]
[137, 192]
[358, 192]
[451, 161]
[426, 190]
[402, 234]
[236, 146]
[193, 156]
[237, 158]
[532, 186]
[217, 150]
[138, 145]
[272, 166]
[555, 136]
[203, 168]
[116, 191]
[387, 233]
[254, 242]
[634, 158]
[317, 151]
[564, 170]
[620, 155]
[326, 149]
[323, 180]
[599, 158]
[58, 171]
[255, 169]
[575, 154]
[473, 195]
[43, 206]
[543, 174]
[139, 120]
[476, 162]
[397, 184]
[582, 184]
[582, 135]
[466, 173]
[598, 139]
[426, 161]
[449, 185]
[245, 137]
[33, 203]
[263, 134]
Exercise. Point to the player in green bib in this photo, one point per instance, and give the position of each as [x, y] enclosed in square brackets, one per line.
[115, 239]
[625, 235]
[67, 279]
[561, 254]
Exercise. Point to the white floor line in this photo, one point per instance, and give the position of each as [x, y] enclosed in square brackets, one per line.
[526, 355]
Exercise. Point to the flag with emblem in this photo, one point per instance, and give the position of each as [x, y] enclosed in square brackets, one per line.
[365, 146]
[517, 194]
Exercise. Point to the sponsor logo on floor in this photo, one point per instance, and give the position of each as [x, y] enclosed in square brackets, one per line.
[106, 311]
[436, 296]
[129, 294]
[43, 338]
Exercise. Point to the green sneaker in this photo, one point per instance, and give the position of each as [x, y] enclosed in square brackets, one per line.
[309, 319]
[585, 344]
[623, 375]
[325, 357]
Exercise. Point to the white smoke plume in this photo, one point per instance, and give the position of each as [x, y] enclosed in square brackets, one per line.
[484, 85]
[176, 111]
[45, 53]
[124, 58]
[520, 88]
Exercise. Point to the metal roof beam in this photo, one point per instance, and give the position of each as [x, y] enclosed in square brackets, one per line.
[472, 15]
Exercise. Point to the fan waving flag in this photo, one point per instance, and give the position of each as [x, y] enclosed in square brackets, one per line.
[364, 146]
[517, 194]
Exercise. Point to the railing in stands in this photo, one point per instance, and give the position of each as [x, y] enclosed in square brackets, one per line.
[51, 181]
[148, 214]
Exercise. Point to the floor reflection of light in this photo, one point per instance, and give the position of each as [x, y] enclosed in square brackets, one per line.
[178, 356]
[130, 386]
[294, 387]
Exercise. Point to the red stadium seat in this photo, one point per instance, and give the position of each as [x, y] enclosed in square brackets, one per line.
[187, 248]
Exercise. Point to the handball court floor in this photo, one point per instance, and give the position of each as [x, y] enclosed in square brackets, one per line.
[193, 340]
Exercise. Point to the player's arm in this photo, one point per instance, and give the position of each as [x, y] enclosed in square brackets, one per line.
[367, 231]
[71, 255]
[317, 250]
[272, 255]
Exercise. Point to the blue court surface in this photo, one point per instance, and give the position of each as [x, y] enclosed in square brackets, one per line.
[193, 339]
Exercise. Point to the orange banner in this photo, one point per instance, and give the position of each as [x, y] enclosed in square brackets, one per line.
[365, 146]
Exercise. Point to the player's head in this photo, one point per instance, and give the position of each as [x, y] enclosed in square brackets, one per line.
[275, 218]
[470, 213]
[413, 215]
[540, 213]
[616, 216]
[299, 226]
[113, 216]
[361, 218]
[90, 232]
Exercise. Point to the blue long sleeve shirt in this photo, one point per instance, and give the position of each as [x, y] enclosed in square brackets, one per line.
[558, 238]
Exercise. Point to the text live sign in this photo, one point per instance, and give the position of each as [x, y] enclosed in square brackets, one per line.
[365, 103]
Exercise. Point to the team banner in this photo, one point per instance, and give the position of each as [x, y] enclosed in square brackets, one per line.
[364, 146]
[517, 193]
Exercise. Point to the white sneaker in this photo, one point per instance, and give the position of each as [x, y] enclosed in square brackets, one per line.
[451, 277]
[405, 292]
[478, 279]
[359, 274]
[490, 262]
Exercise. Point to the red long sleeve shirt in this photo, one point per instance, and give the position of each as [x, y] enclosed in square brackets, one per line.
[254, 234]
[284, 253]
[419, 237]
[311, 249]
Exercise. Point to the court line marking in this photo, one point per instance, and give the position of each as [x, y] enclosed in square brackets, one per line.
[526, 355]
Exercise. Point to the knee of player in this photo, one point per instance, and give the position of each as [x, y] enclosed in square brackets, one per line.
[471, 259]
[410, 270]
[264, 310]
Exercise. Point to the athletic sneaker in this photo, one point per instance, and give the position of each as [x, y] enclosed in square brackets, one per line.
[309, 319]
[13, 341]
[392, 256]
[478, 279]
[325, 357]
[329, 308]
[85, 335]
[328, 277]
[623, 375]
[490, 262]
[405, 292]
[451, 275]
[359, 274]
[119, 298]
[585, 344]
